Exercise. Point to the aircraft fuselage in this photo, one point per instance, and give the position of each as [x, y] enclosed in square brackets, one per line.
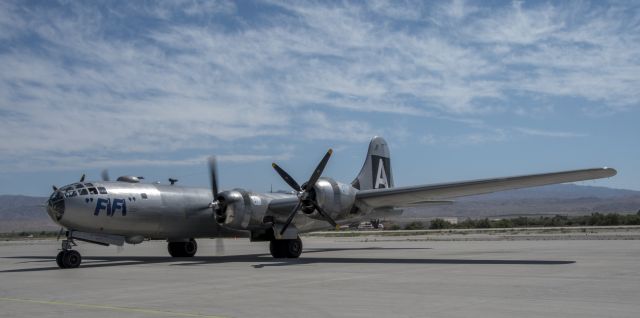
[154, 211]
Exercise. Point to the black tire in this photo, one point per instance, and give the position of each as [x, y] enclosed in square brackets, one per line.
[276, 247]
[175, 249]
[286, 248]
[71, 259]
[183, 249]
[59, 259]
[190, 248]
[294, 248]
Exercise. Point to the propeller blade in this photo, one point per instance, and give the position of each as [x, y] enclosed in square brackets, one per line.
[213, 176]
[219, 241]
[324, 214]
[287, 178]
[105, 175]
[82, 177]
[318, 172]
[219, 246]
[290, 218]
[54, 188]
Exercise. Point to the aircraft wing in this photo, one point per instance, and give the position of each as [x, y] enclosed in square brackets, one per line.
[409, 196]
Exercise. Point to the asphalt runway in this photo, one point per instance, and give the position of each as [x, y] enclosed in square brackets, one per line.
[335, 277]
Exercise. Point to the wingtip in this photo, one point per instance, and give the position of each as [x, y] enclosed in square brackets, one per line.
[612, 172]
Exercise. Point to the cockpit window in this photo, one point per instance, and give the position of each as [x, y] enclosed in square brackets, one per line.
[93, 191]
[56, 196]
[83, 191]
[89, 184]
[70, 194]
[79, 186]
[102, 190]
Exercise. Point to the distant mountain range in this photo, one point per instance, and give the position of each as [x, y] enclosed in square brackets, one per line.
[23, 213]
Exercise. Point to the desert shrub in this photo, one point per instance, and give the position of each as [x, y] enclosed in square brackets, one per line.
[414, 226]
[439, 224]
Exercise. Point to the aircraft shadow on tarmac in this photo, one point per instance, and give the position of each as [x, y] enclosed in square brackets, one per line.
[265, 260]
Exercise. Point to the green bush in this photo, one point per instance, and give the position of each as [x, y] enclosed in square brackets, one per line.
[503, 223]
[439, 224]
[414, 226]
[392, 227]
[483, 224]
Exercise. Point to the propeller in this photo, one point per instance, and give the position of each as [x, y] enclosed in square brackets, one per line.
[305, 192]
[219, 241]
[82, 177]
[54, 188]
[105, 175]
[213, 176]
[216, 205]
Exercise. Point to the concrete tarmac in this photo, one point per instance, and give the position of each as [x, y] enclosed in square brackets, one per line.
[335, 277]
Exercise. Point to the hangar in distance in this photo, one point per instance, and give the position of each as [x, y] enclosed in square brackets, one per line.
[129, 211]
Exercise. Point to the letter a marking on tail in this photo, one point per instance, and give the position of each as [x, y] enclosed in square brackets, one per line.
[381, 176]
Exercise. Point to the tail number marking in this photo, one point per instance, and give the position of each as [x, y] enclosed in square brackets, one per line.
[381, 176]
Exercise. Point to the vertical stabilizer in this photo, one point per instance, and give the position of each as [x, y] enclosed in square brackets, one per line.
[376, 171]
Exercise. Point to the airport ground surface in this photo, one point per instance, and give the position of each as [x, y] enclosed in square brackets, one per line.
[335, 277]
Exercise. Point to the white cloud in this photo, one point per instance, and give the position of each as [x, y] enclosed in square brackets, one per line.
[548, 133]
[81, 85]
[515, 25]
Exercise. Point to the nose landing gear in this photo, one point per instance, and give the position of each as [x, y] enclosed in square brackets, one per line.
[68, 258]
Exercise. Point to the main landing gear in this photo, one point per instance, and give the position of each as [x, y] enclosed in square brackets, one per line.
[286, 248]
[68, 258]
[183, 249]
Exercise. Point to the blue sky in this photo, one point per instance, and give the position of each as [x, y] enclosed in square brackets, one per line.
[460, 90]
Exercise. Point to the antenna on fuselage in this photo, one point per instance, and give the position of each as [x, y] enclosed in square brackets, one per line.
[173, 181]
[105, 175]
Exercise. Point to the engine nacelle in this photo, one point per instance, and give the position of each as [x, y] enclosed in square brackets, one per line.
[335, 198]
[240, 210]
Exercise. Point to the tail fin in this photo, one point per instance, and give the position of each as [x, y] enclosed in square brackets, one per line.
[376, 171]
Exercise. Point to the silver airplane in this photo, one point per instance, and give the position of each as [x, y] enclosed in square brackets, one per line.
[129, 211]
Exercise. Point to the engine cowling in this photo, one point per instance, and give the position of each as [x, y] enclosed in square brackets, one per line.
[240, 209]
[335, 198]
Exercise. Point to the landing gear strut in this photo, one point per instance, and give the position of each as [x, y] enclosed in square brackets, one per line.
[68, 258]
[183, 249]
[286, 248]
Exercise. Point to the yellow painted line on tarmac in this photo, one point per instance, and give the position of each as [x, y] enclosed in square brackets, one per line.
[107, 307]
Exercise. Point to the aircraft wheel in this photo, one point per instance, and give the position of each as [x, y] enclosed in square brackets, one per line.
[70, 259]
[286, 248]
[183, 249]
[276, 247]
[59, 259]
[294, 248]
[175, 249]
[190, 248]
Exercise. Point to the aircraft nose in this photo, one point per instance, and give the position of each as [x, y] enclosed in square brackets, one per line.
[55, 206]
